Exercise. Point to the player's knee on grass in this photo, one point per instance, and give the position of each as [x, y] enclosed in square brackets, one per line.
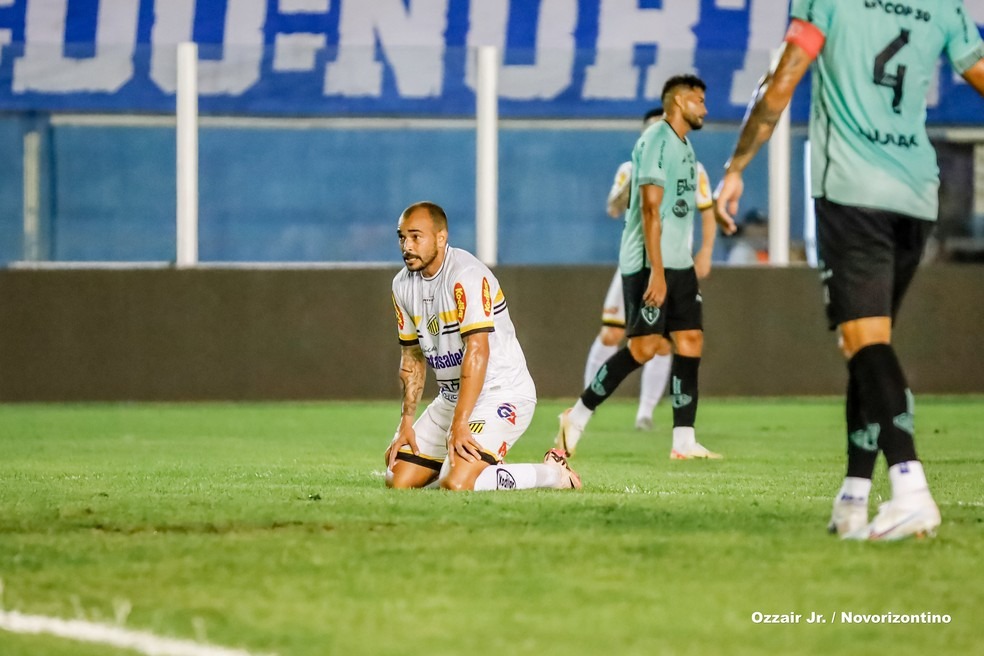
[406, 475]
[462, 476]
[611, 335]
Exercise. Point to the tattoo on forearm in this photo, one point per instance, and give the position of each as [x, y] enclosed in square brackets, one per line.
[412, 375]
[771, 99]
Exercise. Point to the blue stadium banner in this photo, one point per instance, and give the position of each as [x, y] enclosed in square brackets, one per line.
[561, 58]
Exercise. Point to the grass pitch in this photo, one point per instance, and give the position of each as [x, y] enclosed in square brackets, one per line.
[267, 527]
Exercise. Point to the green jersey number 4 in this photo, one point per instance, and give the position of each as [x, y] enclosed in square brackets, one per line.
[892, 80]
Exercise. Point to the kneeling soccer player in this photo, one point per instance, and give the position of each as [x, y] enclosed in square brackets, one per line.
[452, 315]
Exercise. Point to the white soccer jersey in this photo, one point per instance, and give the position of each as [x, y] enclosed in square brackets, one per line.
[463, 297]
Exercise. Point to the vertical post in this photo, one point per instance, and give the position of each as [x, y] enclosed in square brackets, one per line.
[32, 196]
[187, 155]
[487, 156]
[809, 213]
[779, 162]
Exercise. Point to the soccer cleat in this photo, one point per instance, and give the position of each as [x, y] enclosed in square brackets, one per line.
[644, 424]
[849, 516]
[569, 479]
[569, 434]
[695, 452]
[916, 515]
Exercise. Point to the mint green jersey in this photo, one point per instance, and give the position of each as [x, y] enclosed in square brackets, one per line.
[661, 158]
[869, 146]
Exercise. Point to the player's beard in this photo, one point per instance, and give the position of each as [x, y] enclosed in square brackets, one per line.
[420, 261]
[695, 122]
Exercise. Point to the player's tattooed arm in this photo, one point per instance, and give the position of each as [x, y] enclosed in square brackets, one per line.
[773, 95]
[413, 374]
[767, 105]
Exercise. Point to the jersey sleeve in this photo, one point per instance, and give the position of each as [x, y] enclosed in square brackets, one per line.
[964, 46]
[621, 184]
[651, 169]
[472, 292]
[405, 326]
[704, 198]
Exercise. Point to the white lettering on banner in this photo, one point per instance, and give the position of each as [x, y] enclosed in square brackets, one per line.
[622, 25]
[297, 51]
[765, 31]
[554, 48]
[411, 36]
[242, 46]
[303, 6]
[45, 68]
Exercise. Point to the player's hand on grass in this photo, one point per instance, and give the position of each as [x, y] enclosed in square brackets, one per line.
[405, 436]
[702, 263]
[726, 198]
[655, 293]
[462, 445]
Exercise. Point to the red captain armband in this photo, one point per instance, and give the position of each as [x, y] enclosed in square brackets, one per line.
[806, 35]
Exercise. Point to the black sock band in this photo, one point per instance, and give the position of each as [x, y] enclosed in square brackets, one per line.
[608, 378]
[683, 390]
[862, 441]
[885, 400]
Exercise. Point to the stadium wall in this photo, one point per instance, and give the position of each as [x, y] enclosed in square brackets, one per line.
[235, 334]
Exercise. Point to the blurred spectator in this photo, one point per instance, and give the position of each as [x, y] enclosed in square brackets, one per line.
[750, 244]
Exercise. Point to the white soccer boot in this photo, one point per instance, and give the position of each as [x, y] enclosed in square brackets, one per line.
[569, 434]
[913, 515]
[569, 478]
[849, 516]
[644, 424]
[695, 451]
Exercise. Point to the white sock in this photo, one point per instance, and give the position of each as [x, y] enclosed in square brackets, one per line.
[855, 489]
[597, 356]
[907, 478]
[684, 438]
[655, 374]
[521, 476]
[580, 414]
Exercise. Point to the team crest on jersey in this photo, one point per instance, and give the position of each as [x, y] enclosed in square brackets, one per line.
[507, 411]
[460, 301]
[433, 325]
[399, 313]
[650, 314]
[476, 427]
[486, 297]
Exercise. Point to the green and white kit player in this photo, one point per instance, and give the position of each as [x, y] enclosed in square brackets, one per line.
[875, 182]
[659, 284]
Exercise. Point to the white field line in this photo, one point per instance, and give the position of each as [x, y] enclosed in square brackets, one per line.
[114, 636]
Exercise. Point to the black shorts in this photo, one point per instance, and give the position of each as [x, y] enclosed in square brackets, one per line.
[682, 309]
[867, 257]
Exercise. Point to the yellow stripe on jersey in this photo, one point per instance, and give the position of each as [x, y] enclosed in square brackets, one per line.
[499, 296]
[449, 317]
